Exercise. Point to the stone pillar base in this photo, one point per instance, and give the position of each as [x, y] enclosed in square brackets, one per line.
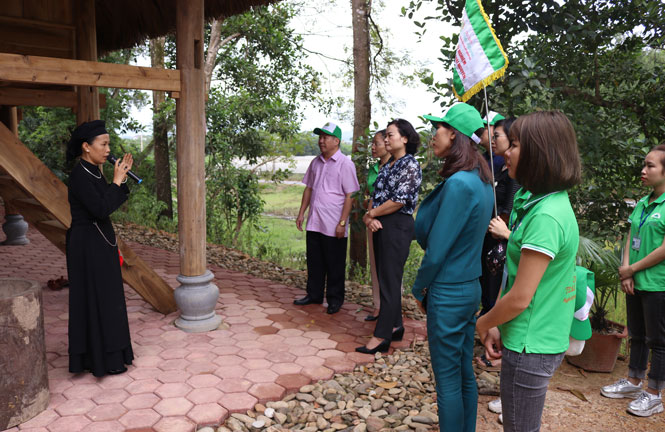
[196, 298]
[15, 229]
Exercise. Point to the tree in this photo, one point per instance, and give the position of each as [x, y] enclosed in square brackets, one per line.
[160, 129]
[362, 112]
[601, 63]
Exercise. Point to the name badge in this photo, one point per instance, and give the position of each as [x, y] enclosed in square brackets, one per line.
[637, 242]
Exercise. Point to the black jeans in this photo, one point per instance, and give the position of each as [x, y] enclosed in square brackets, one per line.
[645, 311]
[391, 249]
[326, 262]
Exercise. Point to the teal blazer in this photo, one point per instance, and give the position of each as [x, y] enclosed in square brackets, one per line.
[450, 227]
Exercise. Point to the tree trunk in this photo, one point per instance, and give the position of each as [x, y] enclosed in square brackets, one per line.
[361, 118]
[160, 129]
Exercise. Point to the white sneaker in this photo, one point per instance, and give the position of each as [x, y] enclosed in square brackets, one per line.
[621, 389]
[495, 406]
[501, 418]
[646, 405]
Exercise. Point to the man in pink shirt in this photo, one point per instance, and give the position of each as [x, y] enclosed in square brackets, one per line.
[330, 180]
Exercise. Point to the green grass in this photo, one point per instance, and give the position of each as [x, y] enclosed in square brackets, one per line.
[276, 240]
[281, 199]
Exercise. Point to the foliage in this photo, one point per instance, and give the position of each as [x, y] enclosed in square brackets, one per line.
[601, 63]
[603, 260]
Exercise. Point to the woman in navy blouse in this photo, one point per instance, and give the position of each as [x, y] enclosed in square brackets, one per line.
[390, 219]
[450, 226]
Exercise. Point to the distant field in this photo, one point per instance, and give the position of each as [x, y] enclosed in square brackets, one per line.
[281, 200]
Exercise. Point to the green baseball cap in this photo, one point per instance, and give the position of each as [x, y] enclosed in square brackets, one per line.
[329, 129]
[585, 288]
[493, 118]
[462, 117]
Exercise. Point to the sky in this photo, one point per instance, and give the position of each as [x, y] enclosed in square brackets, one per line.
[326, 28]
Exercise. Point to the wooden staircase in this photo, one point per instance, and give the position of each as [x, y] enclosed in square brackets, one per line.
[41, 198]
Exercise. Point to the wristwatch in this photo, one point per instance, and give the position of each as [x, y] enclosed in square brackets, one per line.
[342, 222]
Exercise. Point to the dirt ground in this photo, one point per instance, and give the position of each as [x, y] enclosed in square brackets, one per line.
[565, 412]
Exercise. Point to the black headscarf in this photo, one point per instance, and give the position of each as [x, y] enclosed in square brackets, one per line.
[85, 132]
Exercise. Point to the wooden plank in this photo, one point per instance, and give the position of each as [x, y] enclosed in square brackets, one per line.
[48, 70]
[54, 231]
[86, 49]
[33, 176]
[145, 281]
[15, 96]
[31, 37]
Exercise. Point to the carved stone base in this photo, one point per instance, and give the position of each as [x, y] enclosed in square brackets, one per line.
[196, 298]
[15, 229]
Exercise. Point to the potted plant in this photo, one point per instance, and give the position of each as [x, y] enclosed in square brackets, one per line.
[601, 351]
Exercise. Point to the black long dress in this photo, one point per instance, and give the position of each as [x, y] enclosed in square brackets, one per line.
[98, 327]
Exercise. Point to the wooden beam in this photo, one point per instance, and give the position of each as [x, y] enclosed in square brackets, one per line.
[86, 49]
[32, 37]
[48, 70]
[15, 96]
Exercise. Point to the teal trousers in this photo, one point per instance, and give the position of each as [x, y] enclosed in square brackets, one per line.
[451, 322]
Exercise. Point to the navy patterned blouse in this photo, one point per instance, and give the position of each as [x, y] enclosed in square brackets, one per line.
[399, 183]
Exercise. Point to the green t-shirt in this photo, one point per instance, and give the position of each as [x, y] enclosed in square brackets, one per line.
[546, 224]
[650, 235]
[371, 177]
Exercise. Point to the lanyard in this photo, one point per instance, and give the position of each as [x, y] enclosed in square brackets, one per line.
[644, 218]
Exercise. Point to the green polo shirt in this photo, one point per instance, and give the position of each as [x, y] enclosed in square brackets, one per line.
[651, 234]
[371, 177]
[544, 223]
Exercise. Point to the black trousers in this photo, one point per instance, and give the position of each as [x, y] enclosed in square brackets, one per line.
[326, 262]
[489, 283]
[391, 249]
[645, 311]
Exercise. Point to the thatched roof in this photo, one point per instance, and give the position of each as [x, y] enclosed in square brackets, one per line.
[125, 23]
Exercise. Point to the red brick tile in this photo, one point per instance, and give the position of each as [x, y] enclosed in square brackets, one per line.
[69, 424]
[266, 329]
[257, 364]
[82, 391]
[281, 357]
[140, 401]
[115, 381]
[339, 364]
[178, 406]
[261, 376]
[324, 343]
[250, 344]
[106, 412]
[41, 420]
[231, 372]
[178, 376]
[265, 392]
[203, 380]
[286, 368]
[347, 347]
[174, 424]
[360, 358]
[318, 373]
[208, 414]
[143, 418]
[310, 361]
[75, 407]
[111, 396]
[293, 382]
[253, 353]
[234, 385]
[237, 402]
[173, 390]
[173, 364]
[229, 360]
[300, 351]
[104, 426]
[201, 368]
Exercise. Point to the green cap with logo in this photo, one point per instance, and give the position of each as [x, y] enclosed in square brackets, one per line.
[493, 118]
[329, 129]
[462, 117]
[585, 289]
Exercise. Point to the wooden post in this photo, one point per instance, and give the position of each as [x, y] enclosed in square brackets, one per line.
[196, 297]
[86, 49]
[15, 228]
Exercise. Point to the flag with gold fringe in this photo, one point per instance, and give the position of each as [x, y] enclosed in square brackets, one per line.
[479, 58]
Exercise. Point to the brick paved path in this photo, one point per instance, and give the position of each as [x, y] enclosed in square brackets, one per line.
[267, 349]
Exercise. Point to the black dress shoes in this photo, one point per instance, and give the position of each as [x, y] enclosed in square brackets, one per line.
[305, 301]
[383, 347]
[371, 317]
[398, 334]
[332, 309]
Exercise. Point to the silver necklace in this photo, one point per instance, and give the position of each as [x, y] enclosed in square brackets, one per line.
[97, 177]
[114, 244]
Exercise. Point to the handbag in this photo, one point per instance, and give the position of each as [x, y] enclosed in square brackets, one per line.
[496, 258]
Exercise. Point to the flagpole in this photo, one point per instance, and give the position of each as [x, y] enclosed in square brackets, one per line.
[489, 135]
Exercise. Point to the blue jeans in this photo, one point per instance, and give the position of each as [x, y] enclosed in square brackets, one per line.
[524, 380]
[451, 323]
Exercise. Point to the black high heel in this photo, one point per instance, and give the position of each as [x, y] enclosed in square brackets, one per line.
[398, 334]
[383, 347]
[371, 317]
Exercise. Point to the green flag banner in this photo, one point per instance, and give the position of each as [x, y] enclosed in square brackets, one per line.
[479, 59]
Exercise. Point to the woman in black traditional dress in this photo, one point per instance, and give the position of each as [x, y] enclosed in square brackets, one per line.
[98, 327]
